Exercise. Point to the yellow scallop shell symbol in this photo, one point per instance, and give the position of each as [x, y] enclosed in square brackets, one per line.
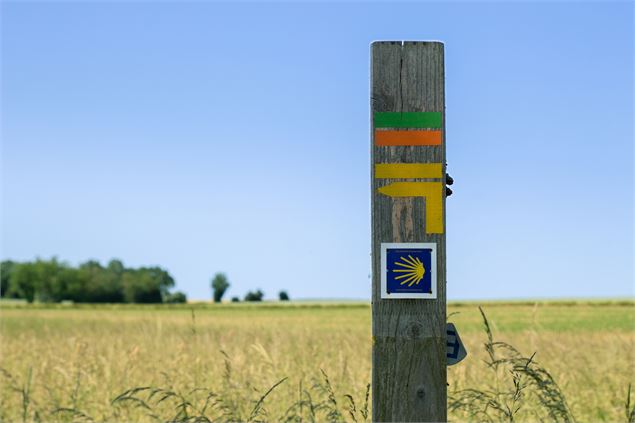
[412, 269]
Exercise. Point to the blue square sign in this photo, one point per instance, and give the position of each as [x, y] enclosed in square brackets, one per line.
[409, 270]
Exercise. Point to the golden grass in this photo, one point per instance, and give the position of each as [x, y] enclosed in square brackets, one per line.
[82, 359]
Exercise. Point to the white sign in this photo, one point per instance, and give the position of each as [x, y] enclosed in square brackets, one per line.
[409, 270]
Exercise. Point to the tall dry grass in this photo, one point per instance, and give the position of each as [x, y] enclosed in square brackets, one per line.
[281, 364]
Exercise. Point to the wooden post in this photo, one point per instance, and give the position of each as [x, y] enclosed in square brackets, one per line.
[408, 207]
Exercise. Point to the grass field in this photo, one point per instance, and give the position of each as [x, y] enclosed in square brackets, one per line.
[73, 363]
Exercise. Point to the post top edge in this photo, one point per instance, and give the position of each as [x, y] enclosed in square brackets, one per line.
[403, 42]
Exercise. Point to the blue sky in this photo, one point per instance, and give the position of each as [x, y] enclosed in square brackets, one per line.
[207, 137]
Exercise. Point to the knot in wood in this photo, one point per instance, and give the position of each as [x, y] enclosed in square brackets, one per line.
[414, 330]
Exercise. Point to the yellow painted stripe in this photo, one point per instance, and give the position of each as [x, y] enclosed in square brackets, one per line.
[408, 170]
[433, 193]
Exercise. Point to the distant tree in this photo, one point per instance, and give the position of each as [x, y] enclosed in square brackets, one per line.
[75, 284]
[235, 300]
[219, 286]
[162, 278]
[6, 267]
[22, 281]
[176, 297]
[116, 267]
[283, 296]
[146, 285]
[254, 296]
[48, 287]
[98, 284]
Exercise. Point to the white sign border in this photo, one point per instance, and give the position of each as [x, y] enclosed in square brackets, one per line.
[433, 272]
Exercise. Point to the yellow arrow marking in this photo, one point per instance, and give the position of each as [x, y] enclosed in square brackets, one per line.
[433, 193]
[408, 170]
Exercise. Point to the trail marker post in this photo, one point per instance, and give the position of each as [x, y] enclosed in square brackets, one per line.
[408, 231]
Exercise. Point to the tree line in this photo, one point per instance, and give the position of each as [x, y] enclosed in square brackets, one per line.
[90, 282]
[220, 284]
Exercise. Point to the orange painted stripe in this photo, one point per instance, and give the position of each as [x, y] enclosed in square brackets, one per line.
[408, 137]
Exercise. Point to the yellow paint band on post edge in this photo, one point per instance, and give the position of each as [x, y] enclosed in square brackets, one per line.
[433, 193]
[408, 170]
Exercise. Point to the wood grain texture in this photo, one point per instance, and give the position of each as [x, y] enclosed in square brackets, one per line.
[409, 363]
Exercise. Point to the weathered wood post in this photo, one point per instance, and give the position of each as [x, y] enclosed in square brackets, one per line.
[408, 231]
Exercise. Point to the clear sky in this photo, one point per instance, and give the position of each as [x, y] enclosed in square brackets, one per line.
[234, 137]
